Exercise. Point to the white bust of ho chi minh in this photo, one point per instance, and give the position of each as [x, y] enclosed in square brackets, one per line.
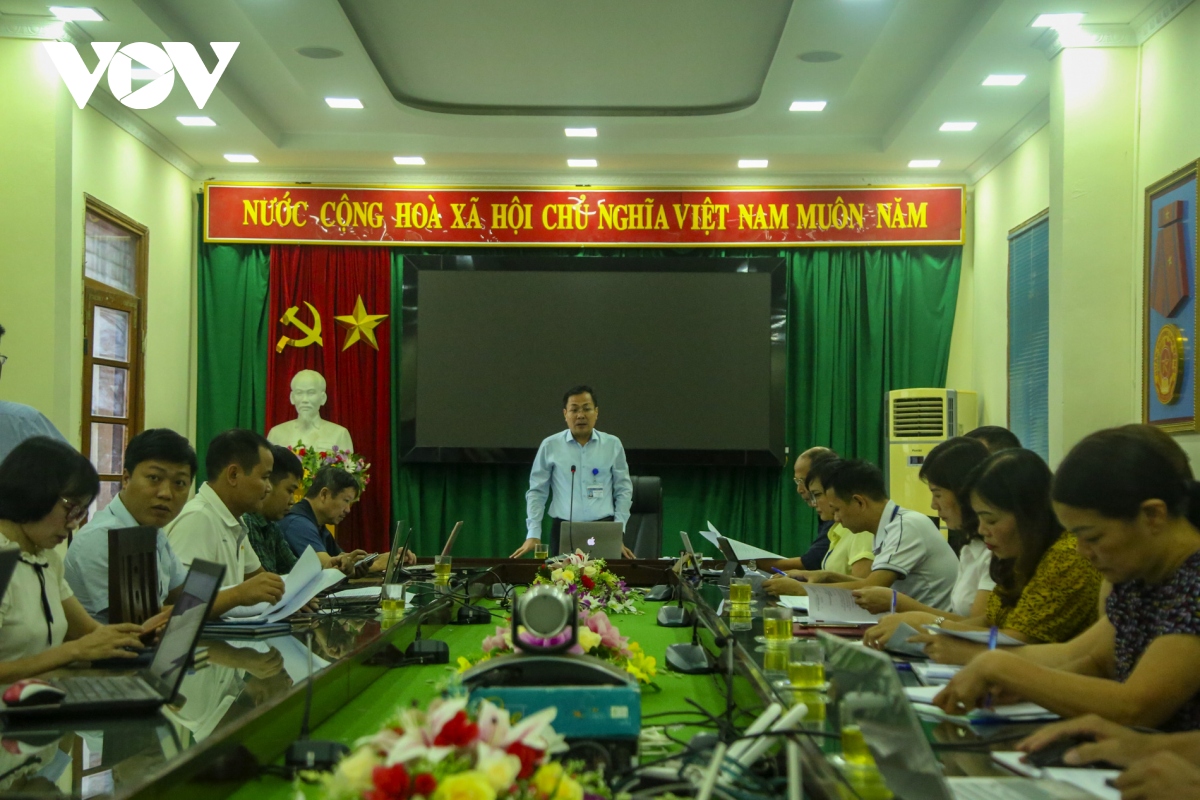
[308, 395]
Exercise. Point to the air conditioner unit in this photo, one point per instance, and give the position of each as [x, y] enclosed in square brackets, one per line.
[918, 420]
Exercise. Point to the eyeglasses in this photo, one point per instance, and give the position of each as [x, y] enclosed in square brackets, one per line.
[76, 512]
[583, 410]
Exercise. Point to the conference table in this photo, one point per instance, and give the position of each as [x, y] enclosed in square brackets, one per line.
[225, 736]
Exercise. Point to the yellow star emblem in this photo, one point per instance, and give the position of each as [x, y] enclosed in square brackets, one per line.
[360, 324]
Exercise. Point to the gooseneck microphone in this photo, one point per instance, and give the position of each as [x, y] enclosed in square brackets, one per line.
[570, 517]
[305, 753]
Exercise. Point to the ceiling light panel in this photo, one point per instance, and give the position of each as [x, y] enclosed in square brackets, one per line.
[807, 105]
[924, 163]
[240, 158]
[1057, 21]
[197, 122]
[409, 161]
[1003, 80]
[752, 163]
[343, 102]
[582, 162]
[72, 14]
[588, 133]
[958, 126]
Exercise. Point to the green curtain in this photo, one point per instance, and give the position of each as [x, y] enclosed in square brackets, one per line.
[862, 321]
[231, 337]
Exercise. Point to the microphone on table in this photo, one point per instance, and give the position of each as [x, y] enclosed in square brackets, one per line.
[570, 516]
[305, 753]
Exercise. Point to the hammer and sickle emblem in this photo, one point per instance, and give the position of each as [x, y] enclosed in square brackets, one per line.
[311, 335]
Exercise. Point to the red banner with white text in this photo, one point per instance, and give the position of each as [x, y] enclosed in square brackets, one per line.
[583, 216]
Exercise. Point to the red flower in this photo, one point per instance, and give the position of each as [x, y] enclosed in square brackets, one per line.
[301, 452]
[530, 758]
[321, 454]
[458, 732]
[424, 784]
[587, 582]
[390, 782]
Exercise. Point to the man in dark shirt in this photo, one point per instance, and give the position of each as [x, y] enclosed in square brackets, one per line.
[327, 502]
[815, 554]
[265, 536]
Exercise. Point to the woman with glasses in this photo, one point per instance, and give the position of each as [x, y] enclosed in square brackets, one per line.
[45, 490]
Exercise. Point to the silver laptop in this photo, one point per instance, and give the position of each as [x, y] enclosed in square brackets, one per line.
[897, 741]
[597, 539]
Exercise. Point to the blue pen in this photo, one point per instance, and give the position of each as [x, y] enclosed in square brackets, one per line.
[779, 572]
[987, 702]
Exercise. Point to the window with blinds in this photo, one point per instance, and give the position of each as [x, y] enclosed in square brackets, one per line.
[1029, 333]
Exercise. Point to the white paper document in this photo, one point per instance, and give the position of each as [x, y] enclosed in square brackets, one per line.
[979, 637]
[796, 602]
[898, 643]
[357, 591]
[830, 605]
[303, 583]
[1090, 780]
[744, 552]
[922, 699]
[932, 674]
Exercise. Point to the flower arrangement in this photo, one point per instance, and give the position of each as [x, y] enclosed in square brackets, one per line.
[591, 583]
[445, 753]
[597, 636]
[313, 460]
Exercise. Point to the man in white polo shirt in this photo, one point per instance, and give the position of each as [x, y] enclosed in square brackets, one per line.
[210, 526]
[911, 556]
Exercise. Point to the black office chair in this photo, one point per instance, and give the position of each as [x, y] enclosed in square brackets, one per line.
[132, 574]
[643, 532]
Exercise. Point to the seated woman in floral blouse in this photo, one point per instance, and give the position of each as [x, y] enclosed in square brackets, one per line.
[1127, 494]
[1045, 591]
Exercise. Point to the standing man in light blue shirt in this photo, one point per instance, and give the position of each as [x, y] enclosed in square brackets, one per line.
[603, 489]
[19, 422]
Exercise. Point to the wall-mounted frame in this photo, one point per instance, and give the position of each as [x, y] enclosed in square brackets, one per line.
[1170, 392]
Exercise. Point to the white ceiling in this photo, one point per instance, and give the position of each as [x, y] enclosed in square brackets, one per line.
[482, 90]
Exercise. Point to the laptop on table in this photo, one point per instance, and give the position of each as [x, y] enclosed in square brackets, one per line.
[597, 539]
[150, 688]
[898, 743]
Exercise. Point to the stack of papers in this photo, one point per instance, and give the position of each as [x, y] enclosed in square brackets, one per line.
[922, 700]
[302, 584]
[798, 604]
[1092, 781]
[898, 643]
[829, 605]
[743, 551]
[932, 674]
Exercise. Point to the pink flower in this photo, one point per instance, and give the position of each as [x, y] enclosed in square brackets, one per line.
[498, 641]
[610, 637]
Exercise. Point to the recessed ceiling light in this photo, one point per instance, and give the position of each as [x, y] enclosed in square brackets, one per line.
[924, 163]
[588, 132]
[807, 105]
[582, 162]
[238, 158]
[343, 102]
[409, 161]
[69, 14]
[319, 52]
[1003, 80]
[958, 126]
[197, 122]
[819, 56]
[1057, 21]
[752, 163]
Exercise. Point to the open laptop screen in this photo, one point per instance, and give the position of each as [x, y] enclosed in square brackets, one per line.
[183, 628]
